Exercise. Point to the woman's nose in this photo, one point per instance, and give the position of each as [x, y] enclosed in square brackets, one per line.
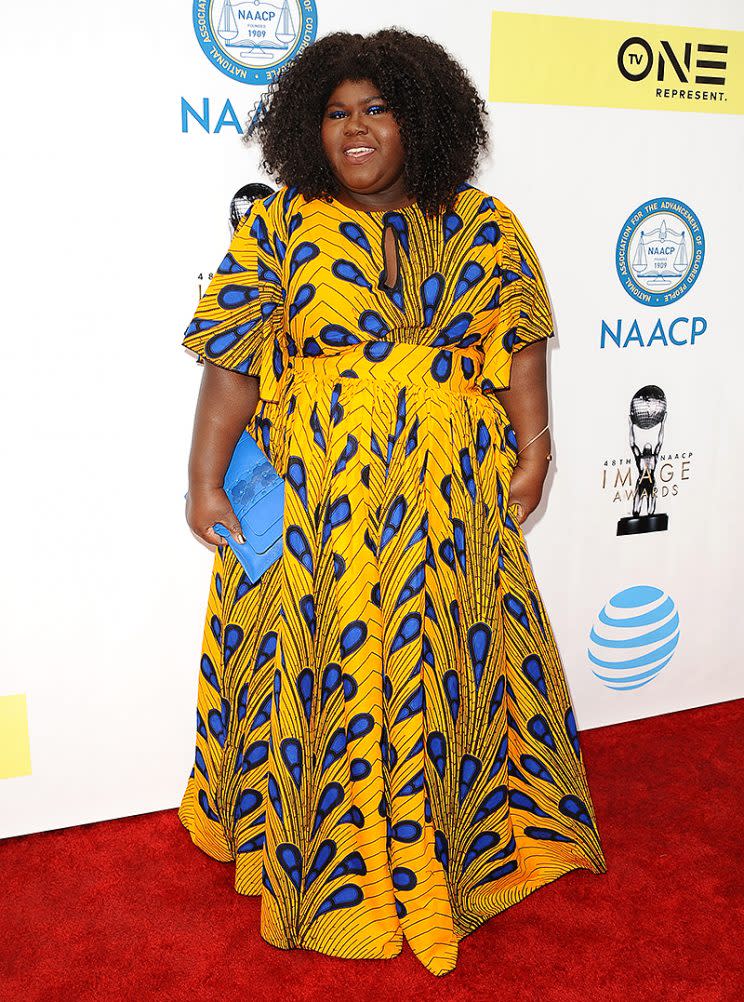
[354, 123]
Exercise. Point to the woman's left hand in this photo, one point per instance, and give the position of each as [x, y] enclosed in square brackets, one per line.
[526, 487]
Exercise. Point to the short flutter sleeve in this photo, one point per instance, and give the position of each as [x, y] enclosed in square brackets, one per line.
[522, 310]
[239, 321]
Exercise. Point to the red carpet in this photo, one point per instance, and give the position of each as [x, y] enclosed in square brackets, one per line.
[130, 909]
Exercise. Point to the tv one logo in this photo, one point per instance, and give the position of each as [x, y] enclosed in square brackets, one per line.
[637, 58]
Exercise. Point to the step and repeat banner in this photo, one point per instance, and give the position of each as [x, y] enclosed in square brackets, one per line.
[620, 145]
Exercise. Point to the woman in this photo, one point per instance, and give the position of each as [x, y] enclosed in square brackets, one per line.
[386, 745]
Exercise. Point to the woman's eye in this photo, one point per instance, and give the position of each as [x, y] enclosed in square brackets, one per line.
[371, 108]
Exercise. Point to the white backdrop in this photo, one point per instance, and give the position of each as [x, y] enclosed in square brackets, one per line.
[112, 211]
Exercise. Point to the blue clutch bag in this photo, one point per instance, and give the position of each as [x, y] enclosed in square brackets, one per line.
[256, 493]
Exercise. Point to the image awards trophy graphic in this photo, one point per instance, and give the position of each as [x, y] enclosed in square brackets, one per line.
[648, 411]
[244, 198]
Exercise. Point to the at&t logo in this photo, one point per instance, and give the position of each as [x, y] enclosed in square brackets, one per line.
[634, 637]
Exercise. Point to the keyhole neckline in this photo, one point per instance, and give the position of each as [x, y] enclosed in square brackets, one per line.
[383, 282]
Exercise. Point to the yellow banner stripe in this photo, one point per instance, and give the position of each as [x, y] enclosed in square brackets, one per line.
[544, 59]
[15, 753]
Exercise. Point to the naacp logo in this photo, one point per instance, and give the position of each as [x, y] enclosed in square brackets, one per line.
[660, 252]
[250, 40]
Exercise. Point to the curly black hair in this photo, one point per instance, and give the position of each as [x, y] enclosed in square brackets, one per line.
[439, 112]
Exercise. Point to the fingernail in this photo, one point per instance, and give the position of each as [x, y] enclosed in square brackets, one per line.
[239, 537]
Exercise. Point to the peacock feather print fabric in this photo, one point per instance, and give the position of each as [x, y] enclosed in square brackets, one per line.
[386, 744]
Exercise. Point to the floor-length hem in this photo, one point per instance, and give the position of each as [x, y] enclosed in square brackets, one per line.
[520, 894]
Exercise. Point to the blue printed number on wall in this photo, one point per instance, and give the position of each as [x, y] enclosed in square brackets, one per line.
[250, 40]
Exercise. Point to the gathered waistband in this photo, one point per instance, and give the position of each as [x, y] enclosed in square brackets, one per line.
[455, 370]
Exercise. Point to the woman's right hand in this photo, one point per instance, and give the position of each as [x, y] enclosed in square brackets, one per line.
[204, 507]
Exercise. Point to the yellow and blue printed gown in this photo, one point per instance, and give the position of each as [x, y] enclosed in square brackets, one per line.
[385, 745]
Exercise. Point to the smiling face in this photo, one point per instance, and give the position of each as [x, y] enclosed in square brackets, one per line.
[362, 144]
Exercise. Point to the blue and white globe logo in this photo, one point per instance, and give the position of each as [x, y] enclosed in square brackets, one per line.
[634, 637]
[250, 40]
